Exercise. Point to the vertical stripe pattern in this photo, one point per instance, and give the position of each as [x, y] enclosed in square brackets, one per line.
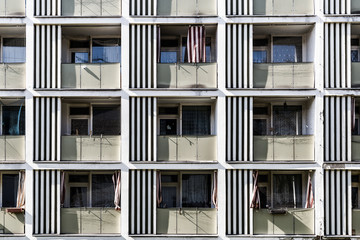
[141, 202]
[238, 194]
[196, 44]
[239, 55]
[338, 202]
[143, 55]
[239, 7]
[337, 60]
[337, 6]
[337, 137]
[142, 7]
[142, 129]
[47, 57]
[47, 127]
[47, 8]
[45, 201]
[239, 128]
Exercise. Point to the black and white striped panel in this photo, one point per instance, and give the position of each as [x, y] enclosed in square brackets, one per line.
[47, 57]
[142, 7]
[238, 194]
[143, 56]
[338, 205]
[337, 59]
[337, 132]
[239, 56]
[47, 126]
[142, 195]
[337, 6]
[239, 7]
[47, 7]
[239, 137]
[142, 129]
[46, 202]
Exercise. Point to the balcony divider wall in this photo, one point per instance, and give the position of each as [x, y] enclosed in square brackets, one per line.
[46, 215]
[142, 201]
[47, 56]
[337, 137]
[143, 56]
[337, 6]
[239, 125]
[47, 127]
[337, 61]
[239, 55]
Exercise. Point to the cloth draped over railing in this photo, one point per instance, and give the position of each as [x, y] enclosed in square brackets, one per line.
[196, 44]
[20, 201]
[116, 178]
[309, 194]
[158, 189]
[255, 202]
[215, 190]
[62, 189]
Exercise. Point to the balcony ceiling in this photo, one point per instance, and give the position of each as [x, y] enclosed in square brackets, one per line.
[175, 100]
[12, 31]
[171, 30]
[91, 100]
[282, 99]
[92, 31]
[282, 29]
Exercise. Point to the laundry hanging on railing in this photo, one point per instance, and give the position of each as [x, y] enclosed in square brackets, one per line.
[116, 178]
[20, 201]
[158, 189]
[196, 44]
[255, 202]
[309, 194]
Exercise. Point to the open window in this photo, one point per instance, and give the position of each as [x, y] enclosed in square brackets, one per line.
[12, 117]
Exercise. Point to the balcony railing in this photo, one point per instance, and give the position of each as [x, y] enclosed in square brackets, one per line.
[91, 7]
[355, 148]
[284, 148]
[12, 7]
[11, 223]
[90, 221]
[186, 221]
[283, 75]
[90, 148]
[355, 6]
[90, 75]
[283, 7]
[294, 221]
[186, 148]
[355, 74]
[356, 222]
[12, 75]
[186, 7]
[186, 75]
[12, 148]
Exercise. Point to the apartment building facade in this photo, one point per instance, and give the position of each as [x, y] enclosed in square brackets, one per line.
[179, 119]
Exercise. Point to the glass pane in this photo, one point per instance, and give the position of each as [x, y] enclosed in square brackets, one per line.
[79, 111]
[102, 190]
[196, 190]
[287, 49]
[355, 55]
[355, 197]
[79, 127]
[13, 120]
[168, 57]
[168, 127]
[260, 127]
[79, 44]
[14, 50]
[78, 178]
[263, 197]
[168, 110]
[106, 120]
[355, 131]
[260, 56]
[9, 189]
[78, 197]
[106, 51]
[287, 191]
[196, 120]
[287, 120]
[169, 178]
[79, 57]
[169, 197]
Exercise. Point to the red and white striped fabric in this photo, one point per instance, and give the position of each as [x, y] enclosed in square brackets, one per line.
[196, 44]
[20, 201]
[158, 189]
[309, 194]
[352, 113]
[62, 189]
[255, 202]
[116, 178]
[215, 190]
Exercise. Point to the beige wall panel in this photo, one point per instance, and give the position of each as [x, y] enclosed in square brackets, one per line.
[110, 221]
[207, 75]
[355, 74]
[355, 148]
[15, 148]
[14, 223]
[263, 148]
[70, 148]
[304, 148]
[187, 148]
[356, 221]
[166, 220]
[263, 222]
[304, 221]
[303, 75]
[303, 7]
[207, 146]
[283, 148]
[15, 75]
[166, 75]
[90, 220]
[262, 75]
[186, 221]
[166, 7]
[90, 76]
[110, 148]
[167, 148]
[2, 148]
[70, 220]
[90, 150]
[111, 8]
[110, 75]
[207, 221]
[186, 7]
[70, 75]
[283, 224]
[186, 75]
[15, 7]
[71, 7]
[91, 8]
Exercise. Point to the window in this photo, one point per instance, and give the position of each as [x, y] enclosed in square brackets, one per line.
[13, 50]
[10, 184]
[355, 191]
[13, 120]
[355, 48]
[90, 190]
[94, 120]
[191, 120]
[186, 190]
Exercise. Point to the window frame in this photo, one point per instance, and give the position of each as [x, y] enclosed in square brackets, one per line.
[2, 115]
[2, 47]
[1, 184]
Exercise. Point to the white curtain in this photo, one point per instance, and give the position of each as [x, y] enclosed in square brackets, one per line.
[20, 201]
[14, 54]
[117, 189]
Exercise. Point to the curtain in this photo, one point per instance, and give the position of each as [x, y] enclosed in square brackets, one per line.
[158, 43]
[309, 194]
[215, 190]
[196, 44]
[287, 120]
[158, 189]
[255, 202]
[352, 114]
[106, 51]
[20, 201]
[196, 190]
[196, 120]
[62, 189]
[117, 189]
[287, 191]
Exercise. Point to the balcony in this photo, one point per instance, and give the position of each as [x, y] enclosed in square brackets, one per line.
[186, 148]
[186, 7]
[294, 221]
[12, 75]
[12, 148]
[283, 7]
[90, 148]
[186, 221]
[283, 75]
[284, 148]
[90, 221]
[91, 75]
[186, 75]
[97, 8]
[11, 223]
[12, 7]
